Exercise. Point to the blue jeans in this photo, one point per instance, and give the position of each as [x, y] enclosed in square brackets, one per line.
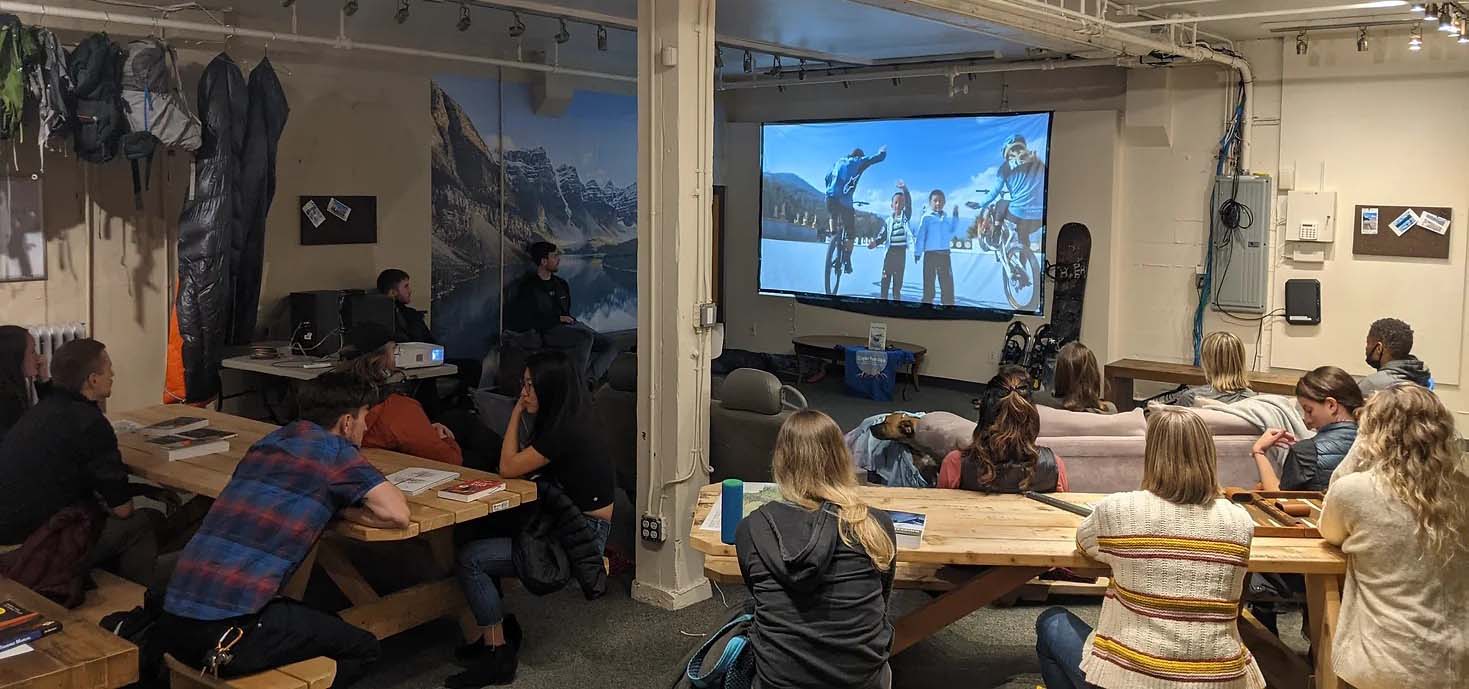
[483, 562]
[1059, 638]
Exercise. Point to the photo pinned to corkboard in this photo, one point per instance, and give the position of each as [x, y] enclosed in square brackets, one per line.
[1405, 231]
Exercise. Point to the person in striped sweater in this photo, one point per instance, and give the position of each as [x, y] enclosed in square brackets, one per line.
[1178, 553]
[897, 235]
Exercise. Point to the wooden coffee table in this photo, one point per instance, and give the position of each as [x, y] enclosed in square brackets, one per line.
[829, 347]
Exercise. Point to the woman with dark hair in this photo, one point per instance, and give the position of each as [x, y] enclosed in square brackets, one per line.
[20, 372]
[563, 445]
[1329, 399]
[1078, 382]
[1003, 456]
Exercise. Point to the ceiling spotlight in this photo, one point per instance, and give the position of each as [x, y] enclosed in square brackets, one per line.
[349, 7]
[1415, 38]
[463, 24]
[1430, 13]
[801, 72]
[749, 62]
[518, 28]
[1301, 45]
[1417, 7]
[897, 81]
[846, 84]
[601, 38]
[287, 3]
[1362, 40]
[563, 35]
[718, 58]
[781, 88]
[402, 14]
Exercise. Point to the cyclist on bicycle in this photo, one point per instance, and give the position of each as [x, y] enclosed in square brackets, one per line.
[841, 184]
[1023, 175]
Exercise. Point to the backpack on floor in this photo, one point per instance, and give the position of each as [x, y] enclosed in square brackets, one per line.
[735, 666]
[157, 112]
[96, 70]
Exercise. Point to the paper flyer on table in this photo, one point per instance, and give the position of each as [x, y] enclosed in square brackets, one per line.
[1404, 222]
[1434, 223]
[756, 494]
[15, 651]
[1369, 220]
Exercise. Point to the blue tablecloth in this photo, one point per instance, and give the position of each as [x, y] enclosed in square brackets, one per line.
[872, 373]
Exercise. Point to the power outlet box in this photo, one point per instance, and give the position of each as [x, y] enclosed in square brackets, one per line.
[652, 529]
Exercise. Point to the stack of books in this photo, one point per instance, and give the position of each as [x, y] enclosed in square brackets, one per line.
[19, 626]
[181, 437]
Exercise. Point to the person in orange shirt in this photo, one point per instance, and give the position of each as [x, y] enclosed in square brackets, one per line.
[397, 422]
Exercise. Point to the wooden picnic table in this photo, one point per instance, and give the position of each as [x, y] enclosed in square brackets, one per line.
[431, 518]
[1017, 539]
[80, 656]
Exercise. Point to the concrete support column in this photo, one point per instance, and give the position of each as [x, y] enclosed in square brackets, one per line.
[675, 248]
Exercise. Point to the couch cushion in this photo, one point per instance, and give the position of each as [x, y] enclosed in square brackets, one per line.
[1115, 464]
[1060, 423]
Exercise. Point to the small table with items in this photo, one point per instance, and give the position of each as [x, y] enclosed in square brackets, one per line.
[1015, 539]
[1120, 375]
[82, 655]
[833, 348]
[431, 517]
[297, 367]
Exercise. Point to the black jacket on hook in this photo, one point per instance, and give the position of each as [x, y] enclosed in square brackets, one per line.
[265, 120]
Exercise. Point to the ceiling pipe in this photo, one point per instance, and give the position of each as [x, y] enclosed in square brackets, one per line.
[880, 74]
[153, 23]
[1258, 14]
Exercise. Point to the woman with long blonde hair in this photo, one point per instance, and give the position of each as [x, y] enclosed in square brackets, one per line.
[819, 566]
[1399, 508]
[1226, 374]
[1178, 553]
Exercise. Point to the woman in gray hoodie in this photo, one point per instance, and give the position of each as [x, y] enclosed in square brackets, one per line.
[819, 565]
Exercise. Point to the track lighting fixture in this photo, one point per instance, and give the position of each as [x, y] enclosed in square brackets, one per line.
[1431, 12]
[801, 71]
[563, 35]
[775, 66]
[349, 7]
[287, 3]
[1302, 47]
[601, 38]
[718, 57]
[518, 28]
[897, 81]
[781, 88]
[749, 62]
[846, 84]
[1415, 38]
[1417, 7]
[402, 14]
[464, 20]
[1362, 40]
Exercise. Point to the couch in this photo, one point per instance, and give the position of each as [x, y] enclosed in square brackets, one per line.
[1104, 453]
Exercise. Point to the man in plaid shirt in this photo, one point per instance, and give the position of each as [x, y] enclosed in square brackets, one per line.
[283, 493]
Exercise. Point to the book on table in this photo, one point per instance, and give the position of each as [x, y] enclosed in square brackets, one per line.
[12, 614]
[27, 627]
[419, 480]
[207, 434]
[176, 447]
[474, 489]
[173, 426]
[909, 527]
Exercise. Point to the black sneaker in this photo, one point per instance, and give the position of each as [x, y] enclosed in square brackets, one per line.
[497, 667]
[477, 649]
[513, 633]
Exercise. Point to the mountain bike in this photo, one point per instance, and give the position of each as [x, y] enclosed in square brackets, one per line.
[998, 234]
[839, 251]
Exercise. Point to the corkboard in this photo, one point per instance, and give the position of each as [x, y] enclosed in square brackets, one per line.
[1417, 242]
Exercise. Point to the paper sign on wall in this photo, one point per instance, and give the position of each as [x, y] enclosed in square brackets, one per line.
[1401, 224]
[1433, 223]
[339, 209]
[1369, 220]
[313, 214]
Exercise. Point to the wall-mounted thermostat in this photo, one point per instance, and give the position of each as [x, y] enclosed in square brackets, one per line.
[1310, 216]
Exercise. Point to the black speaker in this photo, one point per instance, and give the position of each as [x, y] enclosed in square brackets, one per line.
[316, 321]
[359, 308]
[1303, 302]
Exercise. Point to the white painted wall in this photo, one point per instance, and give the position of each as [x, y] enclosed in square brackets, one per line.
[1084, 158]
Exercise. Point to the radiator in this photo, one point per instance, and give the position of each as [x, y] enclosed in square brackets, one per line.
[49, 338]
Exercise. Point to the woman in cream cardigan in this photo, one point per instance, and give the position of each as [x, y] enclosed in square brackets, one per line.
[1177, 553]
[1399, 509]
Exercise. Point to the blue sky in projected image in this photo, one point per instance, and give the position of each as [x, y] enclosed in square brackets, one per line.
[955, 154]
[594, 154]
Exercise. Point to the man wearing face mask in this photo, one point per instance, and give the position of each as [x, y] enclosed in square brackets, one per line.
[1389, 350]
[1023, 174]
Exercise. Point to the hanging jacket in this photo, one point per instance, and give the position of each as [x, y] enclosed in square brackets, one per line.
[49, 561]
[17, 51]
[1409, 369]
[157, 111]
[821, 607]
[557, 545]
[265, 119]
[96, 70]
[207, 225]
[51, 86]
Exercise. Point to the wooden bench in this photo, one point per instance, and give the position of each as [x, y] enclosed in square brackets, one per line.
[928, 577]
[1121, 374]
[317, 673]
[113, 593]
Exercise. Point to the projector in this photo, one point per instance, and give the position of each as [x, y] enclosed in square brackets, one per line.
[418, 355]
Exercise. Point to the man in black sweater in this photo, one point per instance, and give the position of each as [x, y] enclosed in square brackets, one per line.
[408, 323]
[541, 302]
[63, 453]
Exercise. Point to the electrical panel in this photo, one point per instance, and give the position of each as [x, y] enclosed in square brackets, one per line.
[1242, 252]
[1310, 216]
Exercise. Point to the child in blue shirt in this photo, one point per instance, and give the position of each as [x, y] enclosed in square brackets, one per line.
[934, 235]
[897, 234]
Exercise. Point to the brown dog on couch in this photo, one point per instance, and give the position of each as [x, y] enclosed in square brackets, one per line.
[929, 437]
